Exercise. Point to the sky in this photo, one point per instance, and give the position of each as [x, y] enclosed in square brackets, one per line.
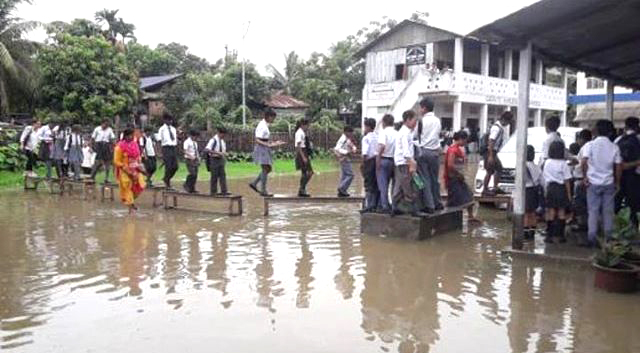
[276, 26]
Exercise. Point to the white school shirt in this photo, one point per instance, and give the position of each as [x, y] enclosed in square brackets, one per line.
[190, 148]
[262, 130]
[30, 143]
[497, 134]
[146, 143]
[45, 134]
[577, 169]
[551, 138]
[344, 146]
[602, 155]
[220, 145]
[387, 137]
[300, 139]
[103, 135]
[404, 146]
[556, 171]
[534, 175]
[430, 137]
[74, 140]
[88, 157]
[370, 145]
[164, 136]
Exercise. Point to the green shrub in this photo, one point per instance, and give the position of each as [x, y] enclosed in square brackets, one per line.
[11, 156]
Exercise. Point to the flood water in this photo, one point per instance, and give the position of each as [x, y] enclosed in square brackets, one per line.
[82, 276]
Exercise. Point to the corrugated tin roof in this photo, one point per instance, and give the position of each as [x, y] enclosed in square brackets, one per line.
[151, 82]
[597, 111]
[596, 36]
[283, 101]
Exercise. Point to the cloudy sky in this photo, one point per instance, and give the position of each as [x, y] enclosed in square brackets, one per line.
[277, 26]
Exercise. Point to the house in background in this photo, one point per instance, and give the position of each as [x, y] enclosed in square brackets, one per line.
[151, 95]
[590, 104]
[284, 104]
[471, 82]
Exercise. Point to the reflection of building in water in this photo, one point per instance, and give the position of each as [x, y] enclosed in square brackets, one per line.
[217, 269]
[133, 242]
[399, 298]
[304, 266]
[345, 283]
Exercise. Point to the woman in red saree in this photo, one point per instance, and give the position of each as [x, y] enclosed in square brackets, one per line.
[129, 170]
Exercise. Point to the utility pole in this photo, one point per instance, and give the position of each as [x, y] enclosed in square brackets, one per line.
[244, 89]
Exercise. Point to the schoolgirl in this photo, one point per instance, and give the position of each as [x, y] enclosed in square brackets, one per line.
[557, 178]
[73, 150]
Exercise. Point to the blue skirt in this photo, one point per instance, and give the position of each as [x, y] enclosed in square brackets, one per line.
[75, 154]
[262, 155]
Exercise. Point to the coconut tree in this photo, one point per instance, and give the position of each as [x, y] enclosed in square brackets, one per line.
[284, 80]
[108, 17]
[16, 71]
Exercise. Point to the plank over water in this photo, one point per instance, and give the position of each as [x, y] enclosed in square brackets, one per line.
[174, 195]
[412, 228]
[314, 199]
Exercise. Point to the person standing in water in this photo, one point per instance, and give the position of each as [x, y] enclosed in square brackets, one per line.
[45, 136]
[167, 135]
[127, 161]
[29, 144]
[303, 158]
[103, 138]
[262, 153]
[73, 149]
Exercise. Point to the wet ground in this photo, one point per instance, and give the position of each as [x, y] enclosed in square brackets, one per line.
[78, 276]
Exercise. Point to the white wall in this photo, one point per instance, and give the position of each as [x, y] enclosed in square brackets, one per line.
[581, 87]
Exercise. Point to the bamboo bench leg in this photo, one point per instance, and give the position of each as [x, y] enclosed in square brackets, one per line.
[266, 206]
[240, 210]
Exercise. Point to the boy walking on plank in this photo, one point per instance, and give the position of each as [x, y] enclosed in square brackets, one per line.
[216, 159]
[404, 193]
[384, 161]
[303, 161]
[192, 160]
[368, 166]
[458, 191]
[343, 150]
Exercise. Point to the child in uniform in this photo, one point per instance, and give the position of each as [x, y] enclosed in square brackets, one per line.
[216, 150]
[533, 182]
[406, 167]
[557, 177]
[73, 148]
[148, 149]
[458, 191]
[88, 158]
[192, 160]
[384, 161]
[303, 158]
[343, 151]
[368, 166]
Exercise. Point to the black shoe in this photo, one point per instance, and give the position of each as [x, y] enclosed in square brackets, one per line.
[439, 208]
[266, 194]
[395, 212]
[224, 194]
[303, 194]
[383, 211]
[418, 214]
[254, 188]
[548, 239]
[428, 210]
[343, 194]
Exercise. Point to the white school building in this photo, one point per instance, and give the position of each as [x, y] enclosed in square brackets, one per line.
[471, 82]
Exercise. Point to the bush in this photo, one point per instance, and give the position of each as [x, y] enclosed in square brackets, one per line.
[11, 156]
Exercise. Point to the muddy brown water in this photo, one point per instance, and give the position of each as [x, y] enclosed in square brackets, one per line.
[79, 276]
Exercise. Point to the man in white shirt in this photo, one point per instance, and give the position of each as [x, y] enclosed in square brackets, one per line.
[492, 164]
[45, 141]
[167, 136]
[148, 149]
[368, 166]
[217, 152]
[428, 142]
[406, 167]
[302, 160]
[102, 139]
[29, 143]
[602, 167]
[343, 150]
[384, 161]
[192, 159]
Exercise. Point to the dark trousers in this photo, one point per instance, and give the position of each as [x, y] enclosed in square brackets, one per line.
[31, 160]
[629, 194]
[150, 165]
[218, 175]
[370, 184]
[429, 170]
[170, 158]
[192, 177]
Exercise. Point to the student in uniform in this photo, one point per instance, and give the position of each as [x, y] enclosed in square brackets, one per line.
[216, 150]
[458, 191]
[29, 144]
[368, 166]
[88, 158]
[384, 161]
[262, 154]
[551, 125]
[533, 183]
[148, 148]
[557, 178]
[73, 149]
[428, 142]
[45, 136]
[192, 159]
[404, 193]
[168, 138]
[496, 140]
[58, 155]
[343, 151]
[579, 202]
[303, 157]
[102, 139]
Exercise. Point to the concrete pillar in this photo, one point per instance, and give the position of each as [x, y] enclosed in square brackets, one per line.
[565, 85]
[508, 64]
[609, 100]
[537, 117]
[563, 118]
[539, 72]
[458, 55]
[484, 118]
[524, 82]
[484, 59]
[457, 115]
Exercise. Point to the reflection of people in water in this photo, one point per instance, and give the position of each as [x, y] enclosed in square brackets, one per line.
[303, 273]
[399, 298]
[133, 242]
[345, 283]
[264, 274]
[217, 269]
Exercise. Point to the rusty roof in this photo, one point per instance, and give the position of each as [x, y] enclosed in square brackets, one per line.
[283, 101]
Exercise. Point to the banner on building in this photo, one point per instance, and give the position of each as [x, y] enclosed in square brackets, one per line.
[416, 55]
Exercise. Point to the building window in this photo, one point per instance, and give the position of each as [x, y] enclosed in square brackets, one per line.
[594, 83]
[400, 72]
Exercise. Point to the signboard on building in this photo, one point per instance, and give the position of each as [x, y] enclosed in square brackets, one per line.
[416, 55]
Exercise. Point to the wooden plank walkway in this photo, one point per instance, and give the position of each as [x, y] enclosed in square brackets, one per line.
[174, 195]
[487, 199]
[87, 186]
[32, 183]
[108, 188]
[316, 199]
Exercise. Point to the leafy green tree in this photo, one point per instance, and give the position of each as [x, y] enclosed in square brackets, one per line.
[150, 62]
[18, 83]
[285, 80]
[187, 62]
[86, 79]
[79, 27]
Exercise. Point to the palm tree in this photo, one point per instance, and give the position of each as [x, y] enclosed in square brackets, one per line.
[108, 17]
[284, 80]
[16, 70]
[203, 112]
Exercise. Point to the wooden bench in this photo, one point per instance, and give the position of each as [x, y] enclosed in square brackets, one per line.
[319, 199]
[156, 192]
[32, 183]
[107, 188]
[55, 186]
[412, 228]
[487, 199]
[87, 186]
[233, 199]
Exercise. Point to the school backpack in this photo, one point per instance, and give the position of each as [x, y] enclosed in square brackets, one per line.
[629, 148]
[483, 144]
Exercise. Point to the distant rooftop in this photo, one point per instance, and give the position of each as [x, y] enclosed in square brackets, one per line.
[283, 101]
[153, 82]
